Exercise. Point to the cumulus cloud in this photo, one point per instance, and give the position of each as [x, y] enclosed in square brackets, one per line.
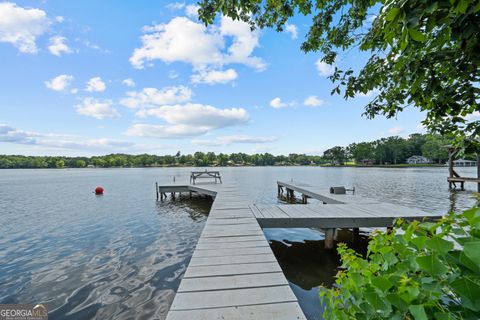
[214, 76]
[129, 82]
[324, 69]
[58, 46]
[191, 10]
[99, 109]
[21, 26]
[152, 97]
[95, 84]
[227, 140]
[277, 103]
[190, 119]
[172, 42]
[59, 83]
[396, 130]
[292, 30]
[313, 101]
[196, 114]
[61, 141]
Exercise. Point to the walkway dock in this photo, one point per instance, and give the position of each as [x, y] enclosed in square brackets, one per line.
[233, 273]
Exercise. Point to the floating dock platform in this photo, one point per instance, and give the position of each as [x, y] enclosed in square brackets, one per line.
[233, 273]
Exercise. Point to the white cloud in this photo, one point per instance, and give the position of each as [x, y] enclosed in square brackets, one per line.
[152, 97]
[396, 130]
[474, 116]
[58, 46]
[172, 74]
[277, 103]
[214, 76]
[313, 101]
[292, 30]
[59, 141]
[176, 5]
[367, 94]
[95, 84]
[324, 69]
[191, 119]
[195, 114]
[21, 26]
[192, 10]
[99, 109]
[59, 83]
[227, 140]
[165, 131]
[129, 82]
[172, 42]
[59, 19]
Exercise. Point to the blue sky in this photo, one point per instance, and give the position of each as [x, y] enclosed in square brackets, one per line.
[96, 77]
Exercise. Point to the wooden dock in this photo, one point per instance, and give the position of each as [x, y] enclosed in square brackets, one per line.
[233, 273]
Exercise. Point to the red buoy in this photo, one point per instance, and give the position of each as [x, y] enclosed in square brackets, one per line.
[98, 190]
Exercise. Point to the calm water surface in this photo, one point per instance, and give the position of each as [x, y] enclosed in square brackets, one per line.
[122, 255]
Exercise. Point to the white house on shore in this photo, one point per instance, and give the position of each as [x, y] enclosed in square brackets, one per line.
[418, 160]
[464, 163]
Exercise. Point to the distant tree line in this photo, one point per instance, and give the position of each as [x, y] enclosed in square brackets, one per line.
[391, 150]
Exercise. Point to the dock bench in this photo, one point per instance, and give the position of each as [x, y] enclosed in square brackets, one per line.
[194, 175]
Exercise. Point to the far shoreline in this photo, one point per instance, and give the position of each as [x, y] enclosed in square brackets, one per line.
[392, 166]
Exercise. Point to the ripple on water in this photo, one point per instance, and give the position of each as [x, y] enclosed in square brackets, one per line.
[121, 256]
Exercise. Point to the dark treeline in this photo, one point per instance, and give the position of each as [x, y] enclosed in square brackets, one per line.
[392, 150]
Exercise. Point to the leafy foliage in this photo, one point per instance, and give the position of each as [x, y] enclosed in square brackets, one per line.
[424, 53]
[419, 271]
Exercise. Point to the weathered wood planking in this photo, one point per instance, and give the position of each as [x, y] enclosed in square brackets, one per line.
[233, 273]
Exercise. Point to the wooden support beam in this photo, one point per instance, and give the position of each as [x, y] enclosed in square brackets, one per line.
[329, 238]
[356, 234]
[156, 189]
[304, 199]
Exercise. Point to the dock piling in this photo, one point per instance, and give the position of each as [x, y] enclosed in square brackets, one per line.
[329, 238]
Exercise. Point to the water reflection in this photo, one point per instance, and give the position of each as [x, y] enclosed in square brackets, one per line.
[307, 265]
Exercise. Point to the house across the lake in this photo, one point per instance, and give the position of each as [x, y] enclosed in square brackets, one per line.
[367, 162]
[464, 163]
[418, 160]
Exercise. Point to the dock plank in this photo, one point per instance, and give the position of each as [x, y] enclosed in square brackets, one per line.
[232, 298]
[231, 270]
[277, 311]
[233, 282]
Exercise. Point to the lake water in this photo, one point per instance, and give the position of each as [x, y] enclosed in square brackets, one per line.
[122, 255]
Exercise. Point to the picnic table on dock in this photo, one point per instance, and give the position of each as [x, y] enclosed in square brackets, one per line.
[194, 175]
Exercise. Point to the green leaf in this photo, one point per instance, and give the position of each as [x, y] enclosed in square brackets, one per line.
[419, 242]
[418, 312]
[431, 264]
[416, 35]
[392, 14]
[469, 292]
[462, 6]
[472, 251]
[439, 245]
[382, 283]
